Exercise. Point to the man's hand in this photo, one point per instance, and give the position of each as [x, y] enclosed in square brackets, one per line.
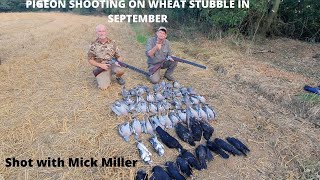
[170, 58]
[104, 66]
[119, 59]
[158, 46]
[159, 43]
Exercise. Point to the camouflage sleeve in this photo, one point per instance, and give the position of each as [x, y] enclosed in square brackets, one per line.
[91, 53]
[116, 50]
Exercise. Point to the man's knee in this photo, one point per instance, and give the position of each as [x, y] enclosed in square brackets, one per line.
[119, 71]
[173, 64]
[103, 85]
[154, 79]
[104, 80]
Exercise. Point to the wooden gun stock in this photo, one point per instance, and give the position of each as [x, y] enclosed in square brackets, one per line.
[97, 71]
[156, 67]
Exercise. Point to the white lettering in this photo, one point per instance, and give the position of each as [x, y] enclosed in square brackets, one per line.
[167, 3]
[46, 4]
[211, 4]
[28, 3]
[138, 18]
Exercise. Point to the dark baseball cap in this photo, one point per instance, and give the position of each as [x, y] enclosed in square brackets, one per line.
[162, 29]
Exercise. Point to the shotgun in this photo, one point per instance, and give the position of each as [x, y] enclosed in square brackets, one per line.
[159, 65]
[99, 70]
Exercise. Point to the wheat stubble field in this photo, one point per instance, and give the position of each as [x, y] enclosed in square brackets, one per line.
[50, 105]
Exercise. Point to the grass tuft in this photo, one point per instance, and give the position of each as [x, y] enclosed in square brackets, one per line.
[309, 97]
[141, 32]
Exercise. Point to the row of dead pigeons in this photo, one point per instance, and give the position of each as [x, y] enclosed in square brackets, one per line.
[169, 120]
[194, 131]
[164, 97]
[187, 161]
[198, 129]
[163, 107]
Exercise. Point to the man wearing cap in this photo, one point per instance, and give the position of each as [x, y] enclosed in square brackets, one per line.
[157, 50]
[101, 51]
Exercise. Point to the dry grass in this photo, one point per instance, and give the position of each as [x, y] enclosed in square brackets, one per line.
[51, 107]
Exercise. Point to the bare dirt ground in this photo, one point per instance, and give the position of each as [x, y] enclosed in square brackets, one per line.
[51, 106]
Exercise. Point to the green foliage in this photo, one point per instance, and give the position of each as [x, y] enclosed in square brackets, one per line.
[296, 18]
[211, 21]
[141, 33]
[5, 6]
[226, 17]
[142, 39]
[309, 97]
[299, 19]
[13, 6]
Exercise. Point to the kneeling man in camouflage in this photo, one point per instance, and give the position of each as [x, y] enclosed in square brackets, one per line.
[101, 51]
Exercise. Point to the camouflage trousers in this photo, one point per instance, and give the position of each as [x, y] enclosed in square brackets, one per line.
[104, 78]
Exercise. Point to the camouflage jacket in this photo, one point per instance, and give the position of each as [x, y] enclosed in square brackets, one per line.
[103, 51]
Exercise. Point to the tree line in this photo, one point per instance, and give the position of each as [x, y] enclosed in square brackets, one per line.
[297, 19]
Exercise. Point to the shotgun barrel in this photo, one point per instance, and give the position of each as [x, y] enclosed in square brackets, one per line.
[160, 64]
[99, 70]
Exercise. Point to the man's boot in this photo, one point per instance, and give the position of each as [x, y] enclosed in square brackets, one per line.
[169, 77]
[120, 80]
[171, 66]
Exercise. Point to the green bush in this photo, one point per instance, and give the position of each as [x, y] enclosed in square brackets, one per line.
[295, 18]
[299, 19]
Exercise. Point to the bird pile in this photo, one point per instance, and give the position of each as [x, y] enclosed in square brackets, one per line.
[166, 105]
[186, 161]
[173, 106]
[164, 97]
